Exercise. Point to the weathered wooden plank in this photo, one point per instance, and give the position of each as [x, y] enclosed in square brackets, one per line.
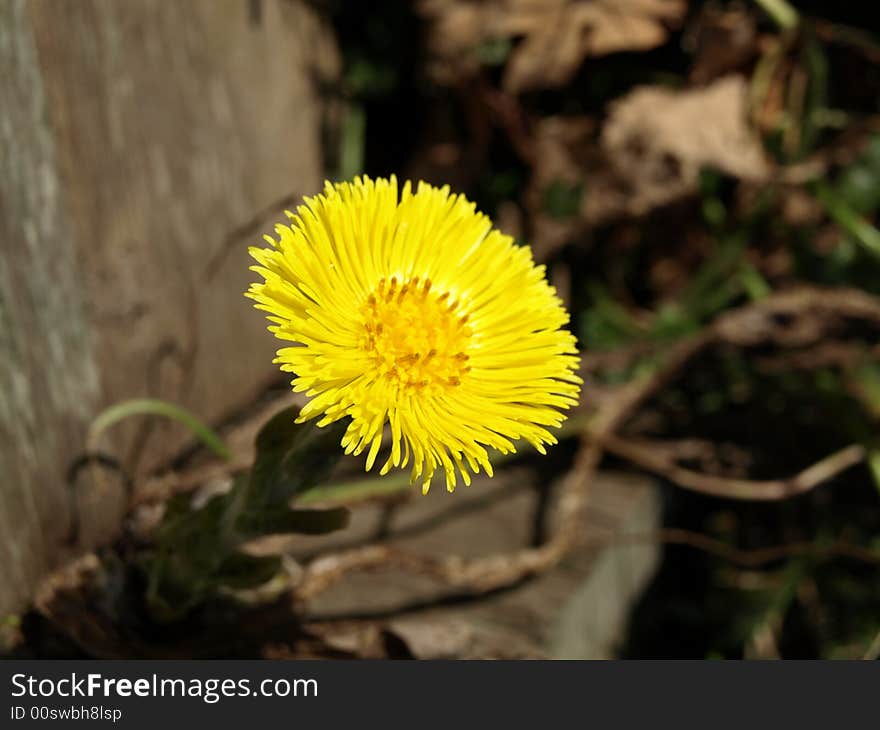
[577, 610]
[48, 379]
[135, 136]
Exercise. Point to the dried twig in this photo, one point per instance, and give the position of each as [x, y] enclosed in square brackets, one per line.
[657, 459]
[474, 576]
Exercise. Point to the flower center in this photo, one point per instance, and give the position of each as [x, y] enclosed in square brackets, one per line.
[415, 337]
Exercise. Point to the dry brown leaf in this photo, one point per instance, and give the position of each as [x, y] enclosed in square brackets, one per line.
[556, 34]
[649, 153]
[660, 139]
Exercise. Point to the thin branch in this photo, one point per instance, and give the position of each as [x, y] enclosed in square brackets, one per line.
[658, 460]
[484, 575]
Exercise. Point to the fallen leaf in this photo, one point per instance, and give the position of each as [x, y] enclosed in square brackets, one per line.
[554, 35]
[649, 153]
[660, 139]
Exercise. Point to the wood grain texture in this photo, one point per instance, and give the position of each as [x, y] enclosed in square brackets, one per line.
[48, 379]
[135, 136]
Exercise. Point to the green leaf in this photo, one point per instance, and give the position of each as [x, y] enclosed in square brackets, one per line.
[847, 218]
[191, 545]
[197, 550]
[299, 521]
[241, 571]
[292, 458]
[859, 187]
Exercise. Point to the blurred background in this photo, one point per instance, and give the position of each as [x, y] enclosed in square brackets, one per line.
[701, 179]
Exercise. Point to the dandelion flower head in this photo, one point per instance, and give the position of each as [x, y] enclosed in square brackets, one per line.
[409, 314]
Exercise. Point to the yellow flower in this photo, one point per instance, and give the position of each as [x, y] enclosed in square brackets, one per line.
[411, 310]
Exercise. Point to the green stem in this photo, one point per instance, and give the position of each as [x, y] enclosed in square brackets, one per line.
[154, 407]
[351, 147]
[356, 490]
[862, 231]
[874, 466]
[755, 285]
